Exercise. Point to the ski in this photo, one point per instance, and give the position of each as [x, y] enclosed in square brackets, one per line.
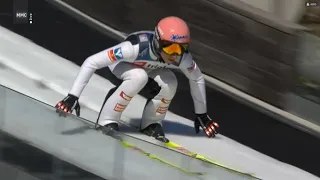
[185, 151]
[178, 148]
[126, 144]
[119, 136]
[169, 145]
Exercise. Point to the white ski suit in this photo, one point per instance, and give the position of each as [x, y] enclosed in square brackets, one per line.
[134, 62]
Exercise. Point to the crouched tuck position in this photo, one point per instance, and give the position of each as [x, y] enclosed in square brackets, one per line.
[144, 59]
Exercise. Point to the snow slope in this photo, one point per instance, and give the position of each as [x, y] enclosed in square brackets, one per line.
[54, 75]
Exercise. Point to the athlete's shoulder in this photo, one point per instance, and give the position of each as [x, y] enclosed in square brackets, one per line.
[140, 41]
[129, 48]
[139, 37]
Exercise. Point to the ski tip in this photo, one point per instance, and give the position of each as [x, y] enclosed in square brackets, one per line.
[179, 148]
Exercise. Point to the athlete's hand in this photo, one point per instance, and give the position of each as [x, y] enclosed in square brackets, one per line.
[68, 104]
[207, 124]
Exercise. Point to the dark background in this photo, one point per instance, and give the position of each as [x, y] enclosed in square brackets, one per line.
[74, 41]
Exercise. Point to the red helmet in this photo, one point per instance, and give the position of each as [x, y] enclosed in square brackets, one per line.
[172, 35]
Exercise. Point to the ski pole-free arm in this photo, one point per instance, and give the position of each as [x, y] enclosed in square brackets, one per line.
[121, 52]
[197, 84]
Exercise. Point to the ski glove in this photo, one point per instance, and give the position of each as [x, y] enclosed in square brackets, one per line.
[207, 124]
[68, 104]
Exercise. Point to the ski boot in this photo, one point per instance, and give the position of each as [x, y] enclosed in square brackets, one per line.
[155, 130]
[109, 129]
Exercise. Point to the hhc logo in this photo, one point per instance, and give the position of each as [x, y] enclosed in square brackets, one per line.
[21, 15]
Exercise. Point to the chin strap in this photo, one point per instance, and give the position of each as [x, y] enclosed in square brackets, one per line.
[161, 60]
[156, 52]
[153, 47]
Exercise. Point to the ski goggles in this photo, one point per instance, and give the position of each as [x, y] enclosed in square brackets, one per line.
[174, 48]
